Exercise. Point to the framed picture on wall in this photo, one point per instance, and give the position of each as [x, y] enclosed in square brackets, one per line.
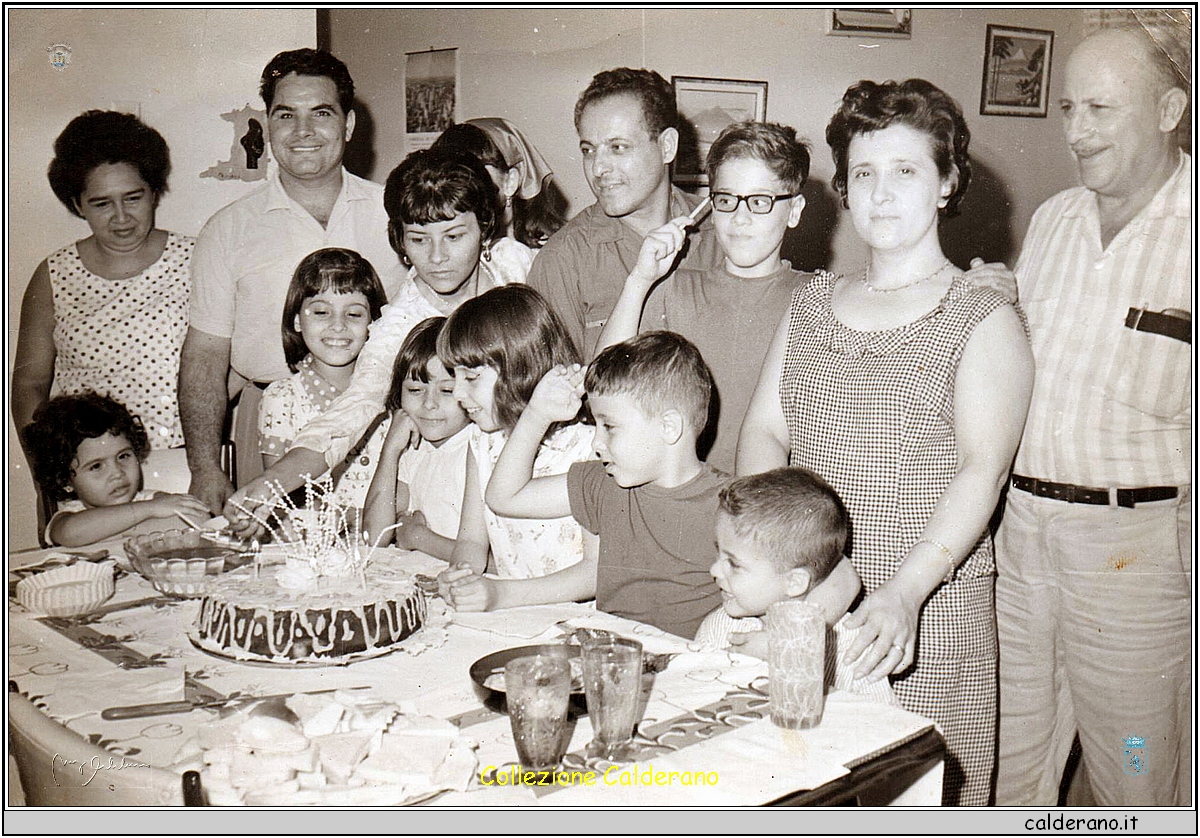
[870, 23]
[1016, 71]
[706, 107]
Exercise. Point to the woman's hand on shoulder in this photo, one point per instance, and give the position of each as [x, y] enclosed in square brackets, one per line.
[887, 632]
[994, 275]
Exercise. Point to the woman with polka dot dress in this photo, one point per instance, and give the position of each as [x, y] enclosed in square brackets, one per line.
[109, 312]
[334, 296]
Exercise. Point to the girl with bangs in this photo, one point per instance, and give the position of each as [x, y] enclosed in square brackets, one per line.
[499, 345]
[442, 211]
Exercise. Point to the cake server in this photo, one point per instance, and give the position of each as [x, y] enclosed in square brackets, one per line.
[167, 708]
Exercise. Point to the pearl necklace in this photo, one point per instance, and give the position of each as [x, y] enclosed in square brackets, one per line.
[915, 282]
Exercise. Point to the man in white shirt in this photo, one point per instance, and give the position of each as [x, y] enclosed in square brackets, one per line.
[247, 252]
[1093, 596]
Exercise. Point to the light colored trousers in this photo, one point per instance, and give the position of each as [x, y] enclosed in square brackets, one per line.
[1093, 608]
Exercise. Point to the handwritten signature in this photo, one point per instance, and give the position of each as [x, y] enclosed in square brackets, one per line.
[91, 767]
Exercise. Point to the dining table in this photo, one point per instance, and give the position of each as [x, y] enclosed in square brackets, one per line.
[705, 736]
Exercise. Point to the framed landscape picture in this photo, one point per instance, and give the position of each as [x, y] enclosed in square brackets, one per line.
[706, 107]
[1016, 71]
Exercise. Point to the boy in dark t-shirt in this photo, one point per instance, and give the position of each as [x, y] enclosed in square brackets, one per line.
[648, 503]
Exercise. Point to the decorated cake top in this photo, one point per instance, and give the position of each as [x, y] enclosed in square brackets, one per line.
[320, 540]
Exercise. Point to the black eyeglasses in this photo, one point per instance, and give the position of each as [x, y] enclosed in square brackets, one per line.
[757, 204]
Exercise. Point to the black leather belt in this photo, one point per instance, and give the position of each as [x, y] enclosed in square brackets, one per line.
[1159, 323]
[1085, 494]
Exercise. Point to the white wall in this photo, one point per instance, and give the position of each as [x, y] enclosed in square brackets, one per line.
[529, 65]
[183, 67]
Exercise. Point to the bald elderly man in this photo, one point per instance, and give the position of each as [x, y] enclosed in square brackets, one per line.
[1094, 557]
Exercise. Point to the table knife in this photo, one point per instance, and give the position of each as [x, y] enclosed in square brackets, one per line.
[167, 708]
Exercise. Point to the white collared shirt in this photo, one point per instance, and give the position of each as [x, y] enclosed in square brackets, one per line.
[1111, 406]
[247, 252]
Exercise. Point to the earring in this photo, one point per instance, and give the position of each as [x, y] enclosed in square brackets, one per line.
[508, 202]
[487, 252]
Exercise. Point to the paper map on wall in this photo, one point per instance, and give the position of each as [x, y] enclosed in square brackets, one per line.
[248, 151]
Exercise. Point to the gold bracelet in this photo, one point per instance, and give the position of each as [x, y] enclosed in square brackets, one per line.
[946, 551]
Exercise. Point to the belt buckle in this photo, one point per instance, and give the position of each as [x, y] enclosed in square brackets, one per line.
[1136, 315]
[1114, 499]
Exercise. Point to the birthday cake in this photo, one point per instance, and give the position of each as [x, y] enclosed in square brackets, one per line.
[257, 619]
[319, 596]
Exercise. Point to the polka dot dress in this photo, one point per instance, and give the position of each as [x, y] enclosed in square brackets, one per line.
[122, 338]
[290, 404]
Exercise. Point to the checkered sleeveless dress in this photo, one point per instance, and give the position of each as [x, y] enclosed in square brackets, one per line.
[873, 413]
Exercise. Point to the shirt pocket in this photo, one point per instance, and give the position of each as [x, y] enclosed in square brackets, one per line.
[1151, 373]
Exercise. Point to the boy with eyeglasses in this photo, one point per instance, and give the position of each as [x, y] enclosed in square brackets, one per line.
[756, 171]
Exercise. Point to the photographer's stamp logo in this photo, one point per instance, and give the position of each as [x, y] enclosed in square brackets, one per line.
[60, 56]
[1136, 758]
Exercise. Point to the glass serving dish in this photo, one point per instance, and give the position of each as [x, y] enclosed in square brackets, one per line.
[180, 563]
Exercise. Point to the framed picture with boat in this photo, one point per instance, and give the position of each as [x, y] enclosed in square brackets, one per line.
[1016, 71]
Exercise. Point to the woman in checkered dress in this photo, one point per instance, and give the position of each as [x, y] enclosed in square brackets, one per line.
[906, 388]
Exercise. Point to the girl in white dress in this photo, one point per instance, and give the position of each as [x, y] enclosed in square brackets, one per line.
[416, 495]
[499, 346]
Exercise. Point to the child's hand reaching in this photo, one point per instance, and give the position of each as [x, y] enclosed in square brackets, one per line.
[659, 249]
[466, 590]
[559, 395]
[166, 505]
[749, 643]
[411, 534]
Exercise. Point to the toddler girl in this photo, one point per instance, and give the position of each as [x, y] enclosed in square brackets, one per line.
[334, 296]
[87, 452]
[420, 486]
[499, 346]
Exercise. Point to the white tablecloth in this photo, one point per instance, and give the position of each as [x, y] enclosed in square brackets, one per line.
[707, 711]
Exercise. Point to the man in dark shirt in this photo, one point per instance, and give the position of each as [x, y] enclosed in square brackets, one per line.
[625, 120]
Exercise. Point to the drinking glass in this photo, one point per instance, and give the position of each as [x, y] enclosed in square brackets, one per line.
[538, 688]
[796, 654]
[612, 680]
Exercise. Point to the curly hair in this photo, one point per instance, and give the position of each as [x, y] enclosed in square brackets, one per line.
[335, 269]
[660, 370]
[793, 515]
[436, 184]
[869, 106]
[775, 145]
[307, 62]
[513, 330]
[59, 427]
[648, 87]
[97, 137]
[412, 361]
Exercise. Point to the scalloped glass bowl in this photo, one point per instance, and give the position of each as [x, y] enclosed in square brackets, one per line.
[180, 563]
